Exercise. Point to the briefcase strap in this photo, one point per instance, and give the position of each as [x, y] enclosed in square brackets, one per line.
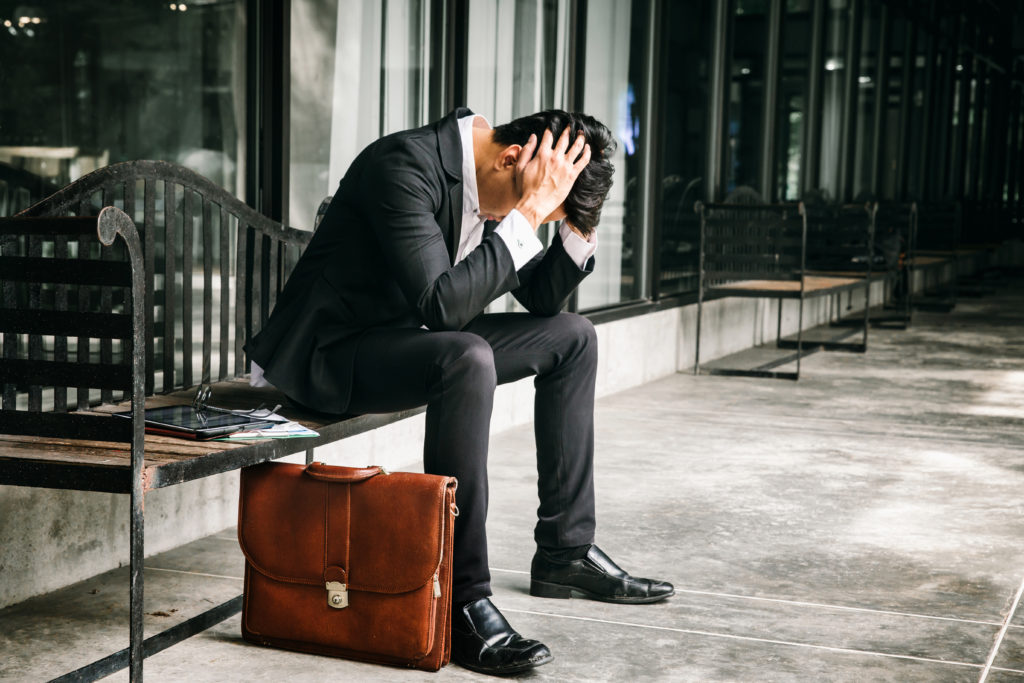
[342, 475]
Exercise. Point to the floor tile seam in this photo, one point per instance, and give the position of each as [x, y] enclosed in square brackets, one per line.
[990, 660]
[737, 408]
[845, 608]
[803, 603]
[182, 571]
[936, 438]
[854, 429]
[727, 415]
[799, 603]
[730, 417]
[732, 636]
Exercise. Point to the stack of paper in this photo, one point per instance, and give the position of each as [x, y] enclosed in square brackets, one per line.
[282, 430]
[262, 414]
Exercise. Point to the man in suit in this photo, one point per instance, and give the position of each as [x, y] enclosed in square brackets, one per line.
[384, 311]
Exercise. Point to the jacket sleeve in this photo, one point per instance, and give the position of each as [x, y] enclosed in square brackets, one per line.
[406, 194]
[547, 281]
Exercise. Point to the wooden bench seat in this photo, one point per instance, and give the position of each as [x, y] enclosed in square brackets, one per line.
[87, 465]
[930, 261]
[812, 284]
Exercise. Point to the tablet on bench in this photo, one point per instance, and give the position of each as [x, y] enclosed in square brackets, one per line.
[187, 422]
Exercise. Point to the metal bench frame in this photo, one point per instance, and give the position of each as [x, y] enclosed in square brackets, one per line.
[73, 298]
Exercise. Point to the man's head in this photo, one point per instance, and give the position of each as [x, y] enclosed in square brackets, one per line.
[582, 207]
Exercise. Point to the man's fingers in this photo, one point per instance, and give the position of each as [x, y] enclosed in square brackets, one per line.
[526, 153]
[577, 147]
[582, 162]
[546, 141]
[563, 141]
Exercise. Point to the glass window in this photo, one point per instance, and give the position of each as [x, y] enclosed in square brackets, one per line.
[1012, 175]
[102, 81]
[746, 95]
[890, 152]
[518, 66]
[867, 76]
[957, 127]
[512, 73]
[832, 97]
[914, 132]
[793, 85]
[616, 35]
[971, 95]
[981, 152]
[687, 29]
[359, 70]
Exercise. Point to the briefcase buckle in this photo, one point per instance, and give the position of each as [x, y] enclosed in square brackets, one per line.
[337, 594]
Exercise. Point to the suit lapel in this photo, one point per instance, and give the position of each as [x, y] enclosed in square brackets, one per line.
[454, 219]
[449, 144]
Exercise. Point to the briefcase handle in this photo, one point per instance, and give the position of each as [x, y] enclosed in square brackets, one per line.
[344, 475]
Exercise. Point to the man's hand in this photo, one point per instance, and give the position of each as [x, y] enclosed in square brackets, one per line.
[544, 181]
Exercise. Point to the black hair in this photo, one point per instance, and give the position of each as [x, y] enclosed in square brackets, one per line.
[583, 205]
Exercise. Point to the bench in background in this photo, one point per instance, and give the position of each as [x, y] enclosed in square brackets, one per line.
[761, 251]
[896, 243]
[937, 251]
[845, 250]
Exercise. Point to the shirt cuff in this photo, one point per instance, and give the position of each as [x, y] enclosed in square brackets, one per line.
[256, 379]
[518, 235]
[579, 250]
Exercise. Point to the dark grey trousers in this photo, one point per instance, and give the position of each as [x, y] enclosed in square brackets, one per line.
[454, 374]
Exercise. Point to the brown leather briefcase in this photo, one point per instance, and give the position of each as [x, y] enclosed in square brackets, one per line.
[348, 562]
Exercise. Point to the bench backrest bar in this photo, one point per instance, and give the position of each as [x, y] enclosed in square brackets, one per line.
[840, 237]
[213, 265]
[751, 242]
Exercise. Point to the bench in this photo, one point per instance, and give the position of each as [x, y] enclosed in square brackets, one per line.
[844, 254]
[136, 307]
[761, 251]
[937, 252]
[842, 242]
[978, 272]
[896, 243]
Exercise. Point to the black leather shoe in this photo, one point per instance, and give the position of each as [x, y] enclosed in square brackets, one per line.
[483, 641]
[594, 576]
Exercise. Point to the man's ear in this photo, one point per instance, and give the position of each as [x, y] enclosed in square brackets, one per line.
[508, 157]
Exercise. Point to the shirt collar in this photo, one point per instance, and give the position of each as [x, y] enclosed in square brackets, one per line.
[470, 196]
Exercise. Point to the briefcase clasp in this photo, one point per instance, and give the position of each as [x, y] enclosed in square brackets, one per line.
[337, 594]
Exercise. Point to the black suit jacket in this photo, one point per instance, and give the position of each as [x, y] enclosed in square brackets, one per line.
[382, 257]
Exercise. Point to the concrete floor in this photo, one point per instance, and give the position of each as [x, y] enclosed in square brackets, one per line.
[863, 524]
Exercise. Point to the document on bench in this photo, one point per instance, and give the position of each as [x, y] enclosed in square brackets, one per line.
[281, 430]
[261, 413]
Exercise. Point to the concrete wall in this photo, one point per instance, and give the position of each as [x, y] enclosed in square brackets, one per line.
[50, 538]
